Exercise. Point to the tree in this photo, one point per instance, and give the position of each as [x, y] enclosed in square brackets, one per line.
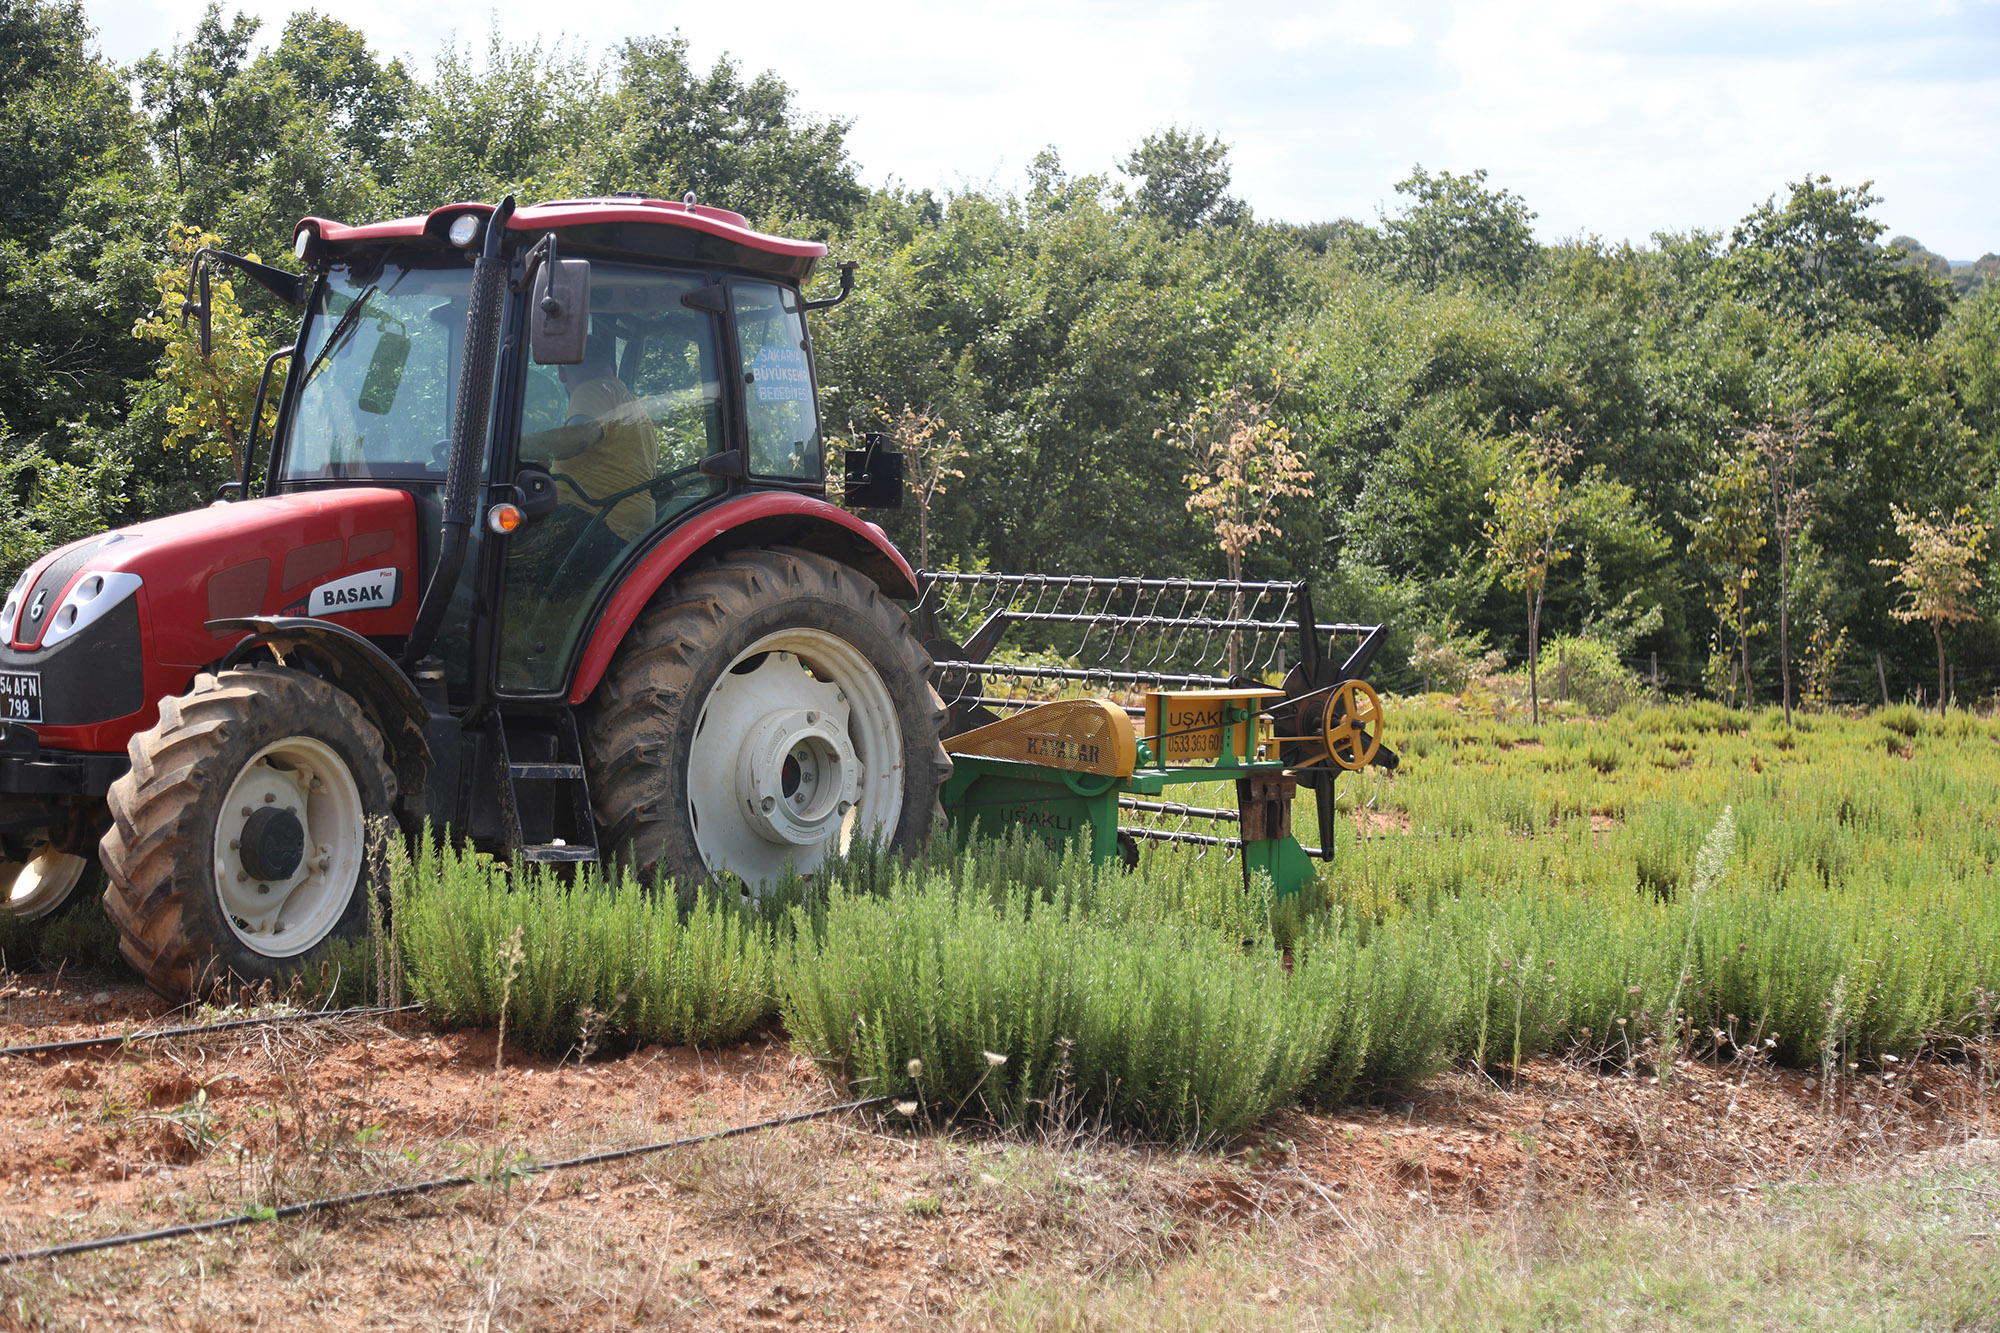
[1525, 535]
[205, 124]
[65, 118]
[532, 121]
[1780, 446]
[1728, 534]
[1183, 180]
[1455, 227]
[1814, 259]
[734, 142]
[1241, 466]
[330, 66]
[1937, 575]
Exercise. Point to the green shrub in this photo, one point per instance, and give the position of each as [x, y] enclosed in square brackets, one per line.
[472, 931]
[1902, 719]
[1021, 1008]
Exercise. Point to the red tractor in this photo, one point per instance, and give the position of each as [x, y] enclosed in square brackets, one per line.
[539, 551]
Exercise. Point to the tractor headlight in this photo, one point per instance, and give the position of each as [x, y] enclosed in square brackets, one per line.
[464, 230]
[93, 595]
[12, 611]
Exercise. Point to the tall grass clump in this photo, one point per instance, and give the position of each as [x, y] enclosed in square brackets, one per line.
[606, 956]
[1022, 1009]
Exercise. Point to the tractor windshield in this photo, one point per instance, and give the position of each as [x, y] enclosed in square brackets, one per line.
[380, 352]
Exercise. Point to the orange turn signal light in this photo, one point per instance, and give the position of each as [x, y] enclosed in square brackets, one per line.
[504, 518]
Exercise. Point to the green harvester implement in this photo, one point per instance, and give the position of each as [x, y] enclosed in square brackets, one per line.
[1211, 681]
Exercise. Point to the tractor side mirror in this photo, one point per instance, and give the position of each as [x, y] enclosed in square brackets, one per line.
[385, 374]
[874, 477]
[559, 312]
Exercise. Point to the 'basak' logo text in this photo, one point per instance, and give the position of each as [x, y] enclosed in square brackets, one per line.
[370, 591]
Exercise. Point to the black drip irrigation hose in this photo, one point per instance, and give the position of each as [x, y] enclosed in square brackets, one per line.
[272, 1020]
[427, 1186]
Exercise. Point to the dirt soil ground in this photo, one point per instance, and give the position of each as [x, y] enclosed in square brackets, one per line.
[858, 1223]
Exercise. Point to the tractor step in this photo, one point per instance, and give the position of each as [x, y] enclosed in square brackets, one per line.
[546, 772]
[558, 853]
[553, 824]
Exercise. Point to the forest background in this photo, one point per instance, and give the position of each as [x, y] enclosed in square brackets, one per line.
[1428, 366]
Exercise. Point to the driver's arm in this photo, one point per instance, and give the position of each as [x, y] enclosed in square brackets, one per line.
[560, 442]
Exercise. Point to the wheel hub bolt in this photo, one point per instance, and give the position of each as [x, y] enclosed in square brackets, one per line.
[269, 798]
[263, 888]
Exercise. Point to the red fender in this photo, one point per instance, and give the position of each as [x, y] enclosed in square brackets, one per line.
[768, 518]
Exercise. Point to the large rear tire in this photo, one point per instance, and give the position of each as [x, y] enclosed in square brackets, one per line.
[238, 842]
[763, 712]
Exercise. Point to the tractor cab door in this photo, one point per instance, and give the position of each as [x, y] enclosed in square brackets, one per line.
[623, 435]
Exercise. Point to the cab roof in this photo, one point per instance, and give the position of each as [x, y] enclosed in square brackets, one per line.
[614, 226]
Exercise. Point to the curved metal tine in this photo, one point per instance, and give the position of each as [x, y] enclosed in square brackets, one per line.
[1166, 618]
[1105, 609]
[1208, 656]
[1170, 624]
[1118, 648]
[1201, 849]
[1141, 645]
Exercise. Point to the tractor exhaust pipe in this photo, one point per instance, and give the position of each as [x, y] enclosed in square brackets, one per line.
[468, 432]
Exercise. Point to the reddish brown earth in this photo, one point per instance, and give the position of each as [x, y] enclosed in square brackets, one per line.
[837, 1225]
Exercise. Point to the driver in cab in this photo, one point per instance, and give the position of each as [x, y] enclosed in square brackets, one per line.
[606, 445]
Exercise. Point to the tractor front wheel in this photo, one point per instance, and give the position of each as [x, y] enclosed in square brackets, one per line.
[763, 713]
[238, 843]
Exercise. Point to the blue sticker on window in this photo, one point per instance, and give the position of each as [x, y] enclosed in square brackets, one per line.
[780, 375]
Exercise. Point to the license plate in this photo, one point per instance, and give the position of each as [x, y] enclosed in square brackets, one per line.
[20, 696]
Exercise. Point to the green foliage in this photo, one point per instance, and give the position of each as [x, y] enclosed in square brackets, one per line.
[596, 959]
[1814, 259]
[1454, 227]
[45, 503]
[1183, 180]
[1020, 1010]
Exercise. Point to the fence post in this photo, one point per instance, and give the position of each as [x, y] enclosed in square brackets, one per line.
[1656, 675]
[1882, 678]
[1562, 673]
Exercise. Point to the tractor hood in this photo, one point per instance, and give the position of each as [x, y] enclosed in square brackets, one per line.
[348, 555]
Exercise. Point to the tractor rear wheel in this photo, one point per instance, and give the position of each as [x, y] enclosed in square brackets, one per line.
[764, 712]
[238, 842]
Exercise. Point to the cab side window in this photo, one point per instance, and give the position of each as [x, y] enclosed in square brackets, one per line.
[779, 409]
[621, 434]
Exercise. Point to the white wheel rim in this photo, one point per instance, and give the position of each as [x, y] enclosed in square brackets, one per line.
[797, 752]
[40, 885]
[282, 917]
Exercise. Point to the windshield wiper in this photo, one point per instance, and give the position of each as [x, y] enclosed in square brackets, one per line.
[341, 331]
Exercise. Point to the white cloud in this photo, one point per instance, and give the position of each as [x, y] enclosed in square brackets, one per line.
[1617, 119]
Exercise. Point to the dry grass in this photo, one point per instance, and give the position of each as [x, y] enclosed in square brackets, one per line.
[1911, 1250]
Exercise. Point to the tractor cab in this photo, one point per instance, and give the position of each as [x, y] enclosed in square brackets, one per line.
[688, 378]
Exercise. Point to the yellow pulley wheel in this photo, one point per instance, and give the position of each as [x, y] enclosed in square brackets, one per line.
[1354, 725]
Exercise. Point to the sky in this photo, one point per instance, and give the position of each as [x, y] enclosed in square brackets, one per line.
[1615, 119]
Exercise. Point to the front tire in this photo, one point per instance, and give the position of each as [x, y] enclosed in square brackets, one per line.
[763, 713]
[238, 843]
